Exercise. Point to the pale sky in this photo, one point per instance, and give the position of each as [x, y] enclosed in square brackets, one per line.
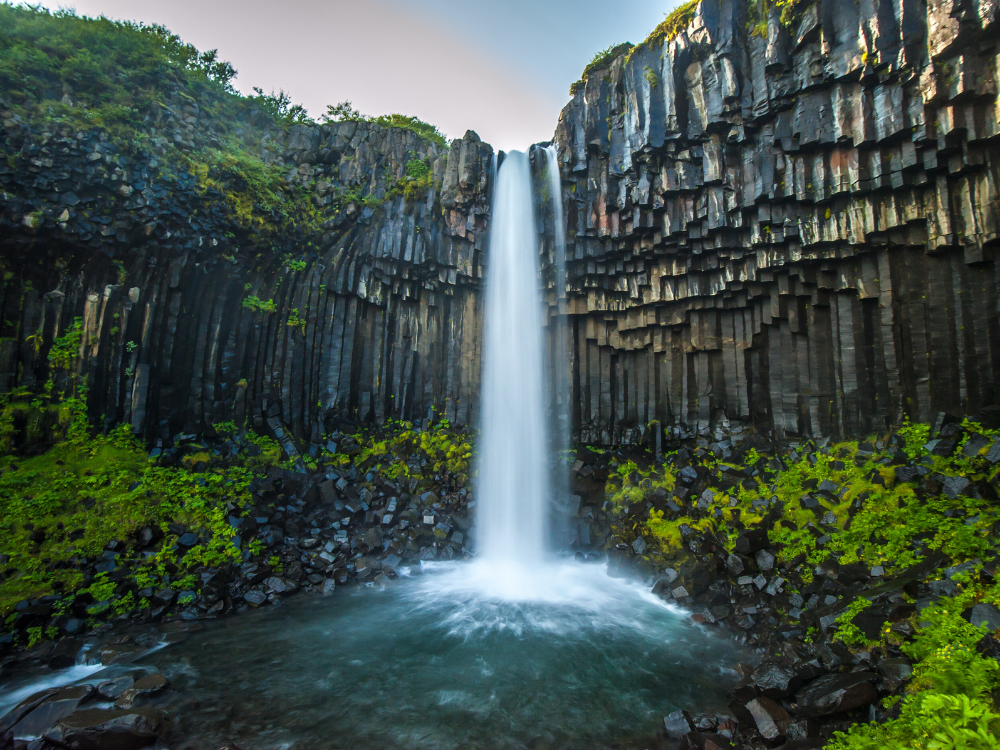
[500, 67]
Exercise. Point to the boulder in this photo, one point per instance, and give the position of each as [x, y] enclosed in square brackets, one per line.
[985, 614]
[678, 724]
[775, 680]
[836, 693]
[771, 719]
[102, 729]
[41, 711]
[144, 687]
[750, 541]
[64, 654]
[111, 689]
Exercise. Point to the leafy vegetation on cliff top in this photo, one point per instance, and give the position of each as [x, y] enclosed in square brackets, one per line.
[345, 112]
[68, 74]
[600, 61]
[107, 73]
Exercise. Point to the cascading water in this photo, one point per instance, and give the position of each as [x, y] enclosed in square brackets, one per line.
[512, 488]
[511, 650]
[559, 354]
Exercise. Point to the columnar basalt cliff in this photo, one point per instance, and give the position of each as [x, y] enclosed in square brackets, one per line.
[786, 222]
[366, 307]
[795, 227]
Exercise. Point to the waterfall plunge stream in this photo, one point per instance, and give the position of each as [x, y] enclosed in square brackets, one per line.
[518, 648]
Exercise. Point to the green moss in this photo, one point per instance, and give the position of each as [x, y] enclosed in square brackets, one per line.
[601, 60]
[256, 304]
[675, 22]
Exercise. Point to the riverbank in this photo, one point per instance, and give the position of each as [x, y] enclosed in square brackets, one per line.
[863, 573]
[844, 569]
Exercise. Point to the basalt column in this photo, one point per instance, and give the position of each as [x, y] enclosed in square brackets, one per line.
[374, 313]
[793, 224]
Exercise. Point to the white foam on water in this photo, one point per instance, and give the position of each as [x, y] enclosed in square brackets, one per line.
[11, 695]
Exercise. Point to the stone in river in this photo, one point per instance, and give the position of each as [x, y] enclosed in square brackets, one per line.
[146, 686]
[328, 587]
[39, 712]
[64, 653]
[100, 729]
[111, 689]
[279, 585]
[678, 724]
[255, 597]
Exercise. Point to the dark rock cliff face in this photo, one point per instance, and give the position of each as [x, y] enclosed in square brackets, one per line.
[375, 307]
[795, 230]
[798, 230]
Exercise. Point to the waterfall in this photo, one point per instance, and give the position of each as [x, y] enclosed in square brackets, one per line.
[514, 448]
[559, 352]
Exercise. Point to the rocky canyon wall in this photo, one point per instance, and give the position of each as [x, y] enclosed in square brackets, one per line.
[795, 227]
[786, 223]
[370, 312]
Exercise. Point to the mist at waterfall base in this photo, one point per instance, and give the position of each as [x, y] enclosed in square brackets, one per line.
[518, 648]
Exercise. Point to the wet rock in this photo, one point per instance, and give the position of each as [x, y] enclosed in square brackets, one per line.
[765, 560]
[895, 671]
[770, 718]
[985, 614]
[142, 688]
[111, 689]
[280, 585]
[328, 587]
[101, 729]
[751, 541]
[735, 565]
[836, 693]
[705, 723]
[41, 711]
[678, 724]
[119, 650]
[775, 680]
[255, 597]
[64, 654]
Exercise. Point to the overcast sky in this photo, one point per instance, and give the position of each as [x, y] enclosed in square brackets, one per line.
[500, 67]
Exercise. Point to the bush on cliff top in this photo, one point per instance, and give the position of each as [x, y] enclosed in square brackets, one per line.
[345, 112]
[114, 69]
[675, 22]
[599, 61]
